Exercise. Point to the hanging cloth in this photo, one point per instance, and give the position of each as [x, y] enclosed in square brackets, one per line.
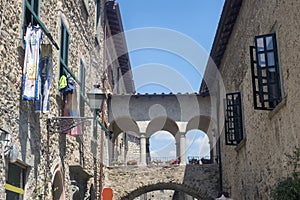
[33, 40]
[46, 77]
[62, 84]
[71, 108]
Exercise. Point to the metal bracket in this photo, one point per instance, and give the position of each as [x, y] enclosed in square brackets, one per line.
[64, 124]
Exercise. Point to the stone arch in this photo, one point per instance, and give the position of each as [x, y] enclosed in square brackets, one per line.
[203, 123]
[196, 193]
[162, 123]
[122, 124]
[117, 127]
[58, 189]
[208, 126]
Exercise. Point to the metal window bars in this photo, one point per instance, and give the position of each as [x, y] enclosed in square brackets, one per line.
[265, 72]
[233, 119]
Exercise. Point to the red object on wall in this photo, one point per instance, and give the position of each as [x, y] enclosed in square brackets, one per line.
[107, 194]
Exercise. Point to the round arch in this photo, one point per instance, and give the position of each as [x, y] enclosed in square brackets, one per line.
[162, 123]
[58, 189]
[203, 123]
[207, 125]
[199, 194]
[122, 124]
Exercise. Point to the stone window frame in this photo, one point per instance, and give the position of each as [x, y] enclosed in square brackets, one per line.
[11, 187]
[266, 76]
[234, 130]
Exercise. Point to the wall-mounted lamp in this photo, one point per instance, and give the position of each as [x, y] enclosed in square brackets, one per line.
[96, 98]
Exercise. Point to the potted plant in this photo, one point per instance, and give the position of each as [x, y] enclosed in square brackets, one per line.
[116, 163]
[131, 162]
[157, 162]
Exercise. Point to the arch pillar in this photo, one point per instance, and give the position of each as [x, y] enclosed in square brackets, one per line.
[110, 149]
[182, 148]
[212, 144]
[177, 145]
[143, 150]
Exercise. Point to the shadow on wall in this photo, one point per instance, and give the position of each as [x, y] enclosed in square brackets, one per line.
[30, 130]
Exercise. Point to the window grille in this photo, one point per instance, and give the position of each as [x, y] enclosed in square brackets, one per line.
[265, 72]
[233, 119]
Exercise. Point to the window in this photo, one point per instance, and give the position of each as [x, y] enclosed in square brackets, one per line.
[15, 182]
[31, 7]
[64, 49]
[265, 72]
[98, 20]
[98, 12]
[233, 119]
[82, 88]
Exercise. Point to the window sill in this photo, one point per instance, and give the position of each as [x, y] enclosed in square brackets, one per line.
[278, 108]
[241, 145]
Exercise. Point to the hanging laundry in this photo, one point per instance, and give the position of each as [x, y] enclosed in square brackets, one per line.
[45, 78]
[33, 40]
[71, 108]
[62, 84]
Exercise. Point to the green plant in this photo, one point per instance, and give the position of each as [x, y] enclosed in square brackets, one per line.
[117, 162]
[289, 188]
[157, 161]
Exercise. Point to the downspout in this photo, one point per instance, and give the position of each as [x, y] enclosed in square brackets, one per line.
[219, 139]
[102, 115]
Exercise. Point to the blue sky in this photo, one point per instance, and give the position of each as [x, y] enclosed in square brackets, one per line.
[196, 19]
[156, 70]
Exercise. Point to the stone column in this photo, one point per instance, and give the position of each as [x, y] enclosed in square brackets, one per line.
[177, 144]
[143, 150]
[182, 149]
[212, 154]
[212, 143]
[110, 149]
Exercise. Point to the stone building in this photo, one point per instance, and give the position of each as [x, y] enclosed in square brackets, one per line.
[44, 154]
[256, 49]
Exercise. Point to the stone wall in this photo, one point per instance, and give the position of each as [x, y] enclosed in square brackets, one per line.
[44, 152]
[251, 169]
[200, 181]
[134, 148]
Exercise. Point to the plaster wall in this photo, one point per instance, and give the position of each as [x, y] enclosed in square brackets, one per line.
[251, 169]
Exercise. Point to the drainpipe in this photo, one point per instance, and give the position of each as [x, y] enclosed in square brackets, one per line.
[102, 115]
[219, 139]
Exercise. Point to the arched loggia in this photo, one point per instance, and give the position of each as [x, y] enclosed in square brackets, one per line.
[162, 146]
[207, 126]
[156, 125]
[197, 146]
[120, 130]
